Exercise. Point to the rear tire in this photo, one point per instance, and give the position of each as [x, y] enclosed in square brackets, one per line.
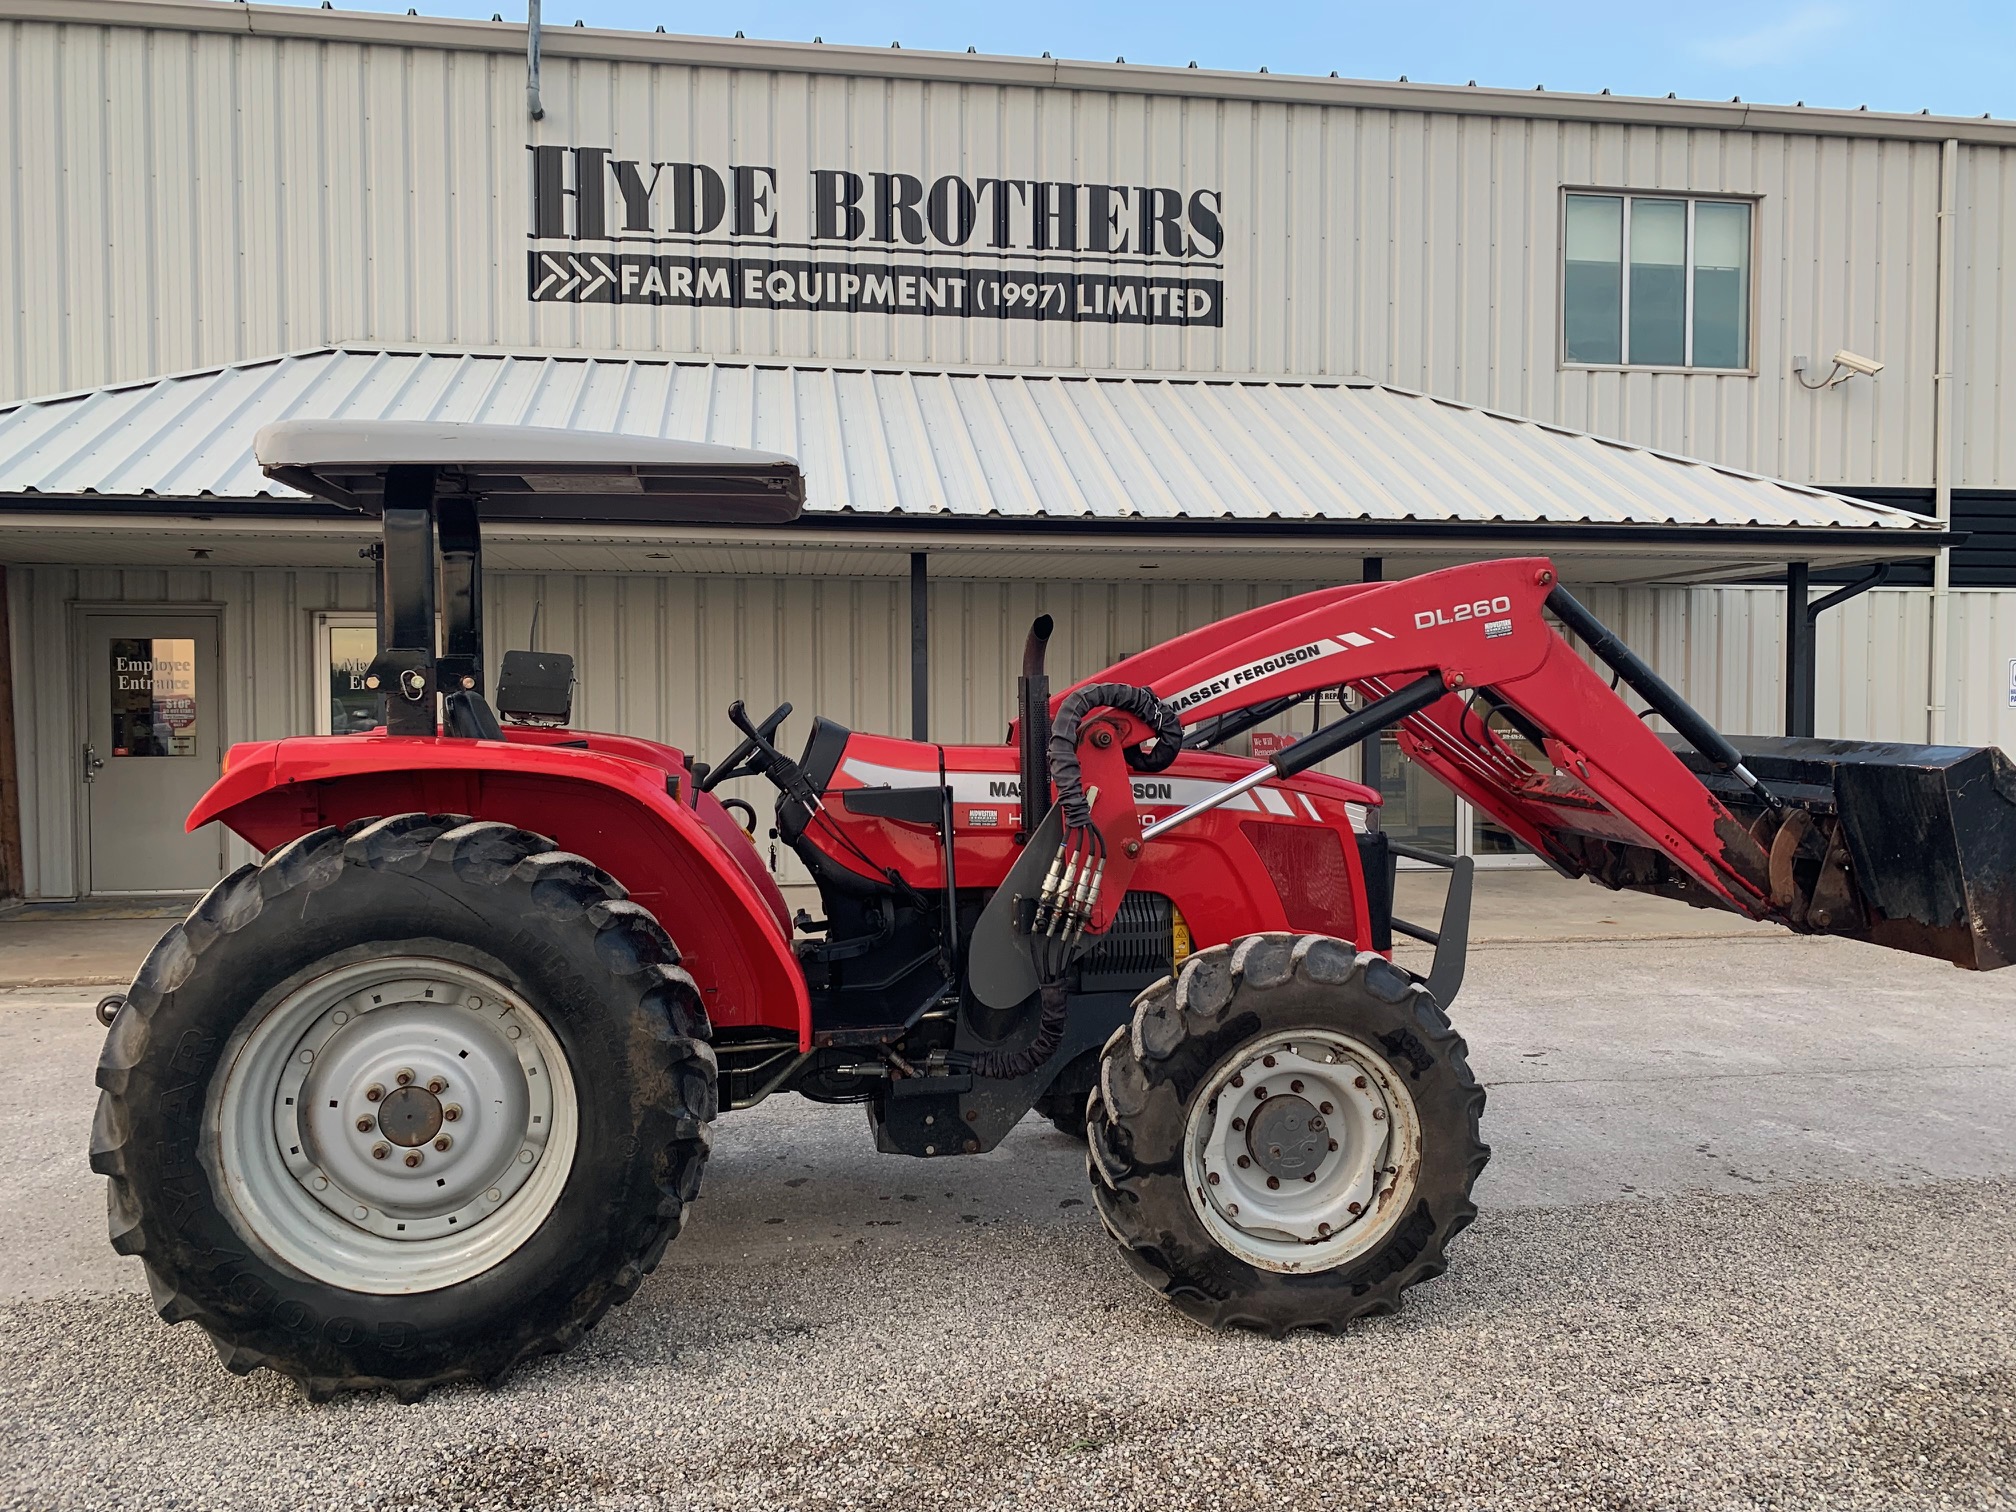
[1207, 1135]
[406, 1103]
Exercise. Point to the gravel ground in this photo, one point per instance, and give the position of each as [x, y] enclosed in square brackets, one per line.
[1790, 1312]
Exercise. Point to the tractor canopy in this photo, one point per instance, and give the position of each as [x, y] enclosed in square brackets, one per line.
[529, 473]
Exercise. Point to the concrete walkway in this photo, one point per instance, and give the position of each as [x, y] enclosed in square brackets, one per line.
[101, 944]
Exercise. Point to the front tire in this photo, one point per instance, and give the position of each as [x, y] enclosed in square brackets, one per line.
[407, 1103]
[1286, 1135]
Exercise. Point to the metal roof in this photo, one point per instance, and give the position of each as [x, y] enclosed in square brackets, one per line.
[606, 44]
[938, 444]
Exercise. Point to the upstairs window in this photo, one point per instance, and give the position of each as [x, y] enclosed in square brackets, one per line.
[1656, 281]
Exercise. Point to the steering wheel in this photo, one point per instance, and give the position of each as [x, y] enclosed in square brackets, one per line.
[739, 762]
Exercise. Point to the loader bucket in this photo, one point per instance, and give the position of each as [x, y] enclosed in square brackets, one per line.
[1911, 847]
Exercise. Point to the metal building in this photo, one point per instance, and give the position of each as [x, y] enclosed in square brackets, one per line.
[1134, 346]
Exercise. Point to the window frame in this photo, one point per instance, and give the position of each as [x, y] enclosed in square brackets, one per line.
[1691, 198]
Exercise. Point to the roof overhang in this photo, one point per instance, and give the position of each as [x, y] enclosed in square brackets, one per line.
[152, 537]
[1022, 474]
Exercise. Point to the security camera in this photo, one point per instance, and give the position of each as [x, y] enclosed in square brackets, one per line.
[1845, 365]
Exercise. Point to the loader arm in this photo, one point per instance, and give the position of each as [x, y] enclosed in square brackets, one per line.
[1910, 847]
[1483, 631]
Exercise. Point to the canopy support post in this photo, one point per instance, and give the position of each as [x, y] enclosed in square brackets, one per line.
[920, 647]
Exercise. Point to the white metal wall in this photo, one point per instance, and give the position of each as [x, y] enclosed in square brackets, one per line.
[181, 198]
[266, 655]
[663, 657]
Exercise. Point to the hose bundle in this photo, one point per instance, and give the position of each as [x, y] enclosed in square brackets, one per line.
[1071, 888]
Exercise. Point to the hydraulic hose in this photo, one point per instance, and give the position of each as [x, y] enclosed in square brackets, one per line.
[1071, 890]
[1128, 699]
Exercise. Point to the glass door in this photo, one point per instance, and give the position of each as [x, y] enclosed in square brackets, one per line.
[344, 647]
[1419, 810]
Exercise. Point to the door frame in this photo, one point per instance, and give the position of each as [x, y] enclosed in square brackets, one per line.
[80, 722]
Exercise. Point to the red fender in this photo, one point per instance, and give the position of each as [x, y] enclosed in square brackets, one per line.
[613, 802]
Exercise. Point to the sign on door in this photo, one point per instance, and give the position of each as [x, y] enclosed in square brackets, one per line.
[153, 696]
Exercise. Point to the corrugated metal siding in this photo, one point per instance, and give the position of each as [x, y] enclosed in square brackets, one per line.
[663, 657]
[180, 200]
[265, 653]
[925, 443]
[1724, 649]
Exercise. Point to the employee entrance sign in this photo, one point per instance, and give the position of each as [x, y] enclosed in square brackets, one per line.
[610, 230]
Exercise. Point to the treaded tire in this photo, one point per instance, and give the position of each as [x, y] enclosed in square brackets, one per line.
[600, 971]
[1063, 1101]
[1183, 1029]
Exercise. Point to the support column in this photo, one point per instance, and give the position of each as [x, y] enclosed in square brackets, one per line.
[12, 871]
[1798, 650]
[920, 648]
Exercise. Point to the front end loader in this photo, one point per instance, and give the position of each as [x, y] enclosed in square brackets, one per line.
[426, 1090]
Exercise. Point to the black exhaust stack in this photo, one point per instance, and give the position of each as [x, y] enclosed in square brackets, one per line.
[1032, 713]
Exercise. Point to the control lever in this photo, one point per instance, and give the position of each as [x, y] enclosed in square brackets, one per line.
[757, 739]
[788, 776]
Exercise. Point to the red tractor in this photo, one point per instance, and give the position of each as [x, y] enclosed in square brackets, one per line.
[426, 1090]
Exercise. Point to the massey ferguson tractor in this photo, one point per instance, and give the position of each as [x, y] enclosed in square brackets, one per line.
[426, 1091]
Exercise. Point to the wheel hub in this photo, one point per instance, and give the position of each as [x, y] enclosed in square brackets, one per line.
[389, 1124]
[1287, 1137]
[411, 1116]
[1300, 1150]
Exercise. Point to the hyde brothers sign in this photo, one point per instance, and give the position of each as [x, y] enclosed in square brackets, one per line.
[610, 230]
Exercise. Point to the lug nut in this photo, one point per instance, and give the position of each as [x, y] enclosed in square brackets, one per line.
[413, 1158]
[1266, 1060]
[1333, 1144]
[1212, 1178]
[443, 1142]
[1238, 1080]
[1357, 1207]
[1322, 1228]
[1244, 1161]
[1377, 1114]
[380, 1151]
[363, 1126]
[1273, 1183]
[436, 1085]
[452, 1112]
[1294, 1086]
[1326, 1110]
[404, 1078]
[374, 1093]
[1259, 1092]
[1238, 1124]
[1311, 1176]
[1358, 1081]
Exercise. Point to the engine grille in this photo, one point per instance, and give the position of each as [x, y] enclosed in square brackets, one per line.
[1307, 866]
[1136, 950]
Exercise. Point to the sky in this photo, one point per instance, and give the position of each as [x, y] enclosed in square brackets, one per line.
[1953, 57]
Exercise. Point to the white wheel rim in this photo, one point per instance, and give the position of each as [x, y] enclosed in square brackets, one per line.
[1302, 1151]
[393, 1126]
